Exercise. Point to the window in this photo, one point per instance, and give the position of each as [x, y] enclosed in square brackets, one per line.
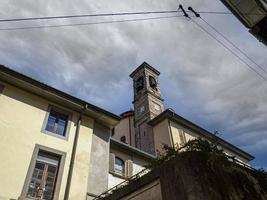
[152, 82]
[123, 139]
[44, 175]
[119, 166]
[182, 136]
[139, 84]
[42, 183]
[57, 123]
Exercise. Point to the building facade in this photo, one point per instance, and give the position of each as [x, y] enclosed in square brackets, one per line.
[253, 14]
[151, 127]
[56, 146]
[53, 145]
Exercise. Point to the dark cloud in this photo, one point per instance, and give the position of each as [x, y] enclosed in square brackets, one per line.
[200, 79]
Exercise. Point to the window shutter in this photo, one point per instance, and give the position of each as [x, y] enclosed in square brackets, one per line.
[112, 162]
[182, 136]
[129, 168]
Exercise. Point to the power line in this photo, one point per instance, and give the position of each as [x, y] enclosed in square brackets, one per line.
[240, 50]
[89, 15]
[226, 47]
[88, 23]
[115, 14]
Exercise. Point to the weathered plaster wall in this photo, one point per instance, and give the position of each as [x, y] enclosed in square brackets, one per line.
[204, 176]
[99, 163]
[151, 191]
[114, 180]
[125, 128]
[138, 165]
[21, 118]
[175, 128]
[162, 135]
[197, 176]
[82, 161]
[190, 135]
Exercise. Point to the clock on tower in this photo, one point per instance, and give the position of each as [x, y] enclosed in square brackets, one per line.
[147, 104]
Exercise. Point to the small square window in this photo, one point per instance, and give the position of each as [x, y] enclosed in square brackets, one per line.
[57, 123]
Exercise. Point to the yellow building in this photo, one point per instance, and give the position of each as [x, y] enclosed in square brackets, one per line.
[55, 146]
[148, 127]
[144, 130]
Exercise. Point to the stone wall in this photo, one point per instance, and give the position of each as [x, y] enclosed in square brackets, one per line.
[200, 176]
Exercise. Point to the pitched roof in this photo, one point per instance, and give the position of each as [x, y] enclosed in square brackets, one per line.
[170, 114]
[144, 65]
[27, 83]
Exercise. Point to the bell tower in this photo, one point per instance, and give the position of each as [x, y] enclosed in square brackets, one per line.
[147, 104]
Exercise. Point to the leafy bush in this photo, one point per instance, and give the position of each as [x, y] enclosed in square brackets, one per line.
[197, 144]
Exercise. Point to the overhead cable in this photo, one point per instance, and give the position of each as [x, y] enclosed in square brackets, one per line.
[87, 23]
[230, 50]
[234, 45]
[89, 15]
[114, 14]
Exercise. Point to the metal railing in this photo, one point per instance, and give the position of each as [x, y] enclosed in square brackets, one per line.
[146, 170]
[122, 184]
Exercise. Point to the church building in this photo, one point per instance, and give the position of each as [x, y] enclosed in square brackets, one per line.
[55, 146]
[148, 127]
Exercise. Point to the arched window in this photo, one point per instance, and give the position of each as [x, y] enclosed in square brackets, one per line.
[119, 166]
[123, 139]
[152, 82]
[139, 84]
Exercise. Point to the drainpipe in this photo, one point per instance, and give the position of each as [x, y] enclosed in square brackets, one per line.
[73, 154]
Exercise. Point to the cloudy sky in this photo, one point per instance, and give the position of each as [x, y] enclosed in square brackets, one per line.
[200, 80]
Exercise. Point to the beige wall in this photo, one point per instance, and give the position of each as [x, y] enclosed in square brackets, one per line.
[189, 135]
[125, 128]
[138, 165]
[99, 163]
[21, 118]
[151, 191]
[177, 130]
[162, 135]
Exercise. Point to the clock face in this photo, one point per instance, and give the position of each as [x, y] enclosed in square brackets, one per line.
[157, 107]
[142, 109]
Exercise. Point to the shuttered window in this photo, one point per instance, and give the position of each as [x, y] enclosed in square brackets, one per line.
[182, 136]
[129, 168]
[119, 167]
[111, 162]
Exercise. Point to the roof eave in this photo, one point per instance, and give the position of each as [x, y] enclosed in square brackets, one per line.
[126, 147]
[40, 89]
[144, 65]
[171, 115]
